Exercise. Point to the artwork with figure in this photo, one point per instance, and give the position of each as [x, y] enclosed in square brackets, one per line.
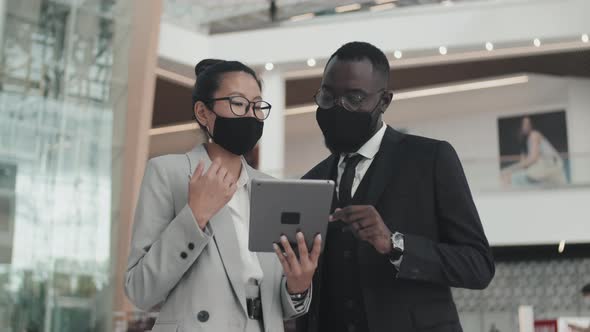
[534, 150]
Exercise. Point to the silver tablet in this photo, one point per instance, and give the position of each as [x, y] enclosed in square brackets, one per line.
[280, 207]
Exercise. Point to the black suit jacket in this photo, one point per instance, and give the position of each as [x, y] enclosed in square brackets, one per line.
[419, 188]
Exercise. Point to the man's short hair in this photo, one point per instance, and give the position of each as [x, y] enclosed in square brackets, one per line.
[357, 51]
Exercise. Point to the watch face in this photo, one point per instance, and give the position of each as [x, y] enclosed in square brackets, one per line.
[398, 241]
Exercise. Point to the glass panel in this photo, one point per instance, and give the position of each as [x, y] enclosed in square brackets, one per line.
[56, 152]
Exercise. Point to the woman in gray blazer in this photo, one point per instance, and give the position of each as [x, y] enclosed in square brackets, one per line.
[189, 256]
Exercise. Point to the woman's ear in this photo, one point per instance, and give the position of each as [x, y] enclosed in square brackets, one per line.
[201, 113]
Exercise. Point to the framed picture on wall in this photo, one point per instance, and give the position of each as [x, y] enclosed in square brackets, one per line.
[534, 150]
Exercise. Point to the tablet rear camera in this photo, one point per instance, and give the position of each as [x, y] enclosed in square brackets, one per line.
[290, 218]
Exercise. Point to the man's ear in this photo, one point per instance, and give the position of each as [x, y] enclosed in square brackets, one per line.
[386, 99]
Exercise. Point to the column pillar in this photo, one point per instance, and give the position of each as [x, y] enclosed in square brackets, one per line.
[272, 143]
[135, 65]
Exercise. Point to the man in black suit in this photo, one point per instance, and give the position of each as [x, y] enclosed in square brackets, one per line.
[404, 227]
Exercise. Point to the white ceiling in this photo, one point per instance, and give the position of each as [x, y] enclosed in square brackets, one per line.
[219, 16]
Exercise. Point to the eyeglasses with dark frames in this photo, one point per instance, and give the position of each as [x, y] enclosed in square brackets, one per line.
[240, 106]
[351, 102]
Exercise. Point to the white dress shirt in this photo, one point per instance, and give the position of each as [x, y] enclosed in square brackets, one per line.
[239, 207]
[368, 151]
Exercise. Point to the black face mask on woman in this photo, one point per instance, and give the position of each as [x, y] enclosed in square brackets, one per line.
[237, 135]
[345, 131]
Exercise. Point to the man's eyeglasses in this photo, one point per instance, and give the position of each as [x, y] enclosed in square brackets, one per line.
[240, 106]
[351, 101]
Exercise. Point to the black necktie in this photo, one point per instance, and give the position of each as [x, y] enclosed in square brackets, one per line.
[345, 187]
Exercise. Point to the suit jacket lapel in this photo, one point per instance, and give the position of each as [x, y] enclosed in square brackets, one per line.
[224, 234]
[386, 165]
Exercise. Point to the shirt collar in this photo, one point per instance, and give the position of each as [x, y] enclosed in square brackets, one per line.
[371, 147]
[244, 178]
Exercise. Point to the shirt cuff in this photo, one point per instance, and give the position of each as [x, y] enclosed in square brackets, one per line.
[397, 263]
[300, 303]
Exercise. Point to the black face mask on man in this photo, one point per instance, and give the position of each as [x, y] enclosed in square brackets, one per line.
[345, 131]
[237, 135]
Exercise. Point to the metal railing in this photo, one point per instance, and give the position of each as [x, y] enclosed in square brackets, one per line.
[485, 174]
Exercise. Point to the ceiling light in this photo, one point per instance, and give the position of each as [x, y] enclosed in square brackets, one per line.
[269, 66]
[442, 50]
[537, 42]
[303, 17]
[348, 8]
[447, 3]
[561, 247]
[385, 6]
[397, 54]
[381, 2]
[585, 38]
[311, 62]
[489, 46]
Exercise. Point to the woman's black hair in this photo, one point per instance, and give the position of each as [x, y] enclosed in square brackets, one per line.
[209, 73]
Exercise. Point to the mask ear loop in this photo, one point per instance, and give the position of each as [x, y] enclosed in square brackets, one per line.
[206, 128]
[381, 112]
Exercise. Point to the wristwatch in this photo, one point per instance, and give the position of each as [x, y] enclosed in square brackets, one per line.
[397, 241]
[299, 296]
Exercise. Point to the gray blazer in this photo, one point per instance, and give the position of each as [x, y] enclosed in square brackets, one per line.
[192, 277]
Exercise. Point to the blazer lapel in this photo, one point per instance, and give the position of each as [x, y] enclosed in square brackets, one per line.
[224, 234]
[386, 165]
[268, 263]
[385, 173]
[227, 244]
